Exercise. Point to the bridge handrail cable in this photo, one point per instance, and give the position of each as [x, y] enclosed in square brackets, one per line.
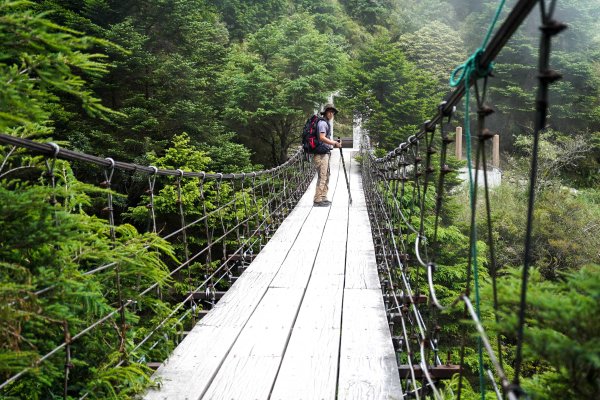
[276, 202]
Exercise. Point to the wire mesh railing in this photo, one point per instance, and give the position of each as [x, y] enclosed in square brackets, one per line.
[202, 229]
[405, 193]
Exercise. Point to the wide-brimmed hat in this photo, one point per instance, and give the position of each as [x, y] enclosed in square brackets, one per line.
[329, 107]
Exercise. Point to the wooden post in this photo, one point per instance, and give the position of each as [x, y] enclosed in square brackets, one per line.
[496, 151]
[458, 142]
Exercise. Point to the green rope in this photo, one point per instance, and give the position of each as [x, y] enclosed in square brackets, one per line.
[468, 69]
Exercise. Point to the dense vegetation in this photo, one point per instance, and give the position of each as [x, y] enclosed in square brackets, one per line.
[225, 85]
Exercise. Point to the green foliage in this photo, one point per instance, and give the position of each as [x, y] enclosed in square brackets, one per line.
[283, 72]
[561, 348]
[391, 95]
[244, 17]
[118, 383]
[409, 16]
[563, 158]
[564, 219]
[228, 156]
[239, 75]
[182, 155]
[197, 197]
[164, 85]
[40, 60]
[369, 13]
[435, 48]
[48, 245]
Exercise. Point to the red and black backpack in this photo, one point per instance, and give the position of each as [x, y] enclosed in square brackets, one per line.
[310, 135]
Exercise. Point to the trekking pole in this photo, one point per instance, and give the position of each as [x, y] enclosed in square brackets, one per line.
[345, 174]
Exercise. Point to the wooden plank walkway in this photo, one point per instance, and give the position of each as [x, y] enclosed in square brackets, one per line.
[305, 321]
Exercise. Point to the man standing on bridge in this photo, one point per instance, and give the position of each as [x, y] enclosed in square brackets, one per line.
[321, 161]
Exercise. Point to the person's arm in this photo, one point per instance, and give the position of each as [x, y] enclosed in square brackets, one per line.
[324, 139]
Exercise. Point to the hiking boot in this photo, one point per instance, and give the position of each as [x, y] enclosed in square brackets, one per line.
[321, 204]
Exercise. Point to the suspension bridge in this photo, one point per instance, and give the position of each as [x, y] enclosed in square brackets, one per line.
[306, 320]
[281, 300]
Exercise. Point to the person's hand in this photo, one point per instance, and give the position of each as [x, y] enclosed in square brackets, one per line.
[338, 143]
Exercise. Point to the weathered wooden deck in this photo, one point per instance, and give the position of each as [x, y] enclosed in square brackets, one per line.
[305, 321]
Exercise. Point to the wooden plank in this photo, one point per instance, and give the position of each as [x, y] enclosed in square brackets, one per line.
[250, 368]
[270, 258]
[356, 186]
[308, 376]
[192, 365]
[272, 336]
[244, 378]
[236, 306]
[361, 266]
[361, 270]
[304, 261]
[369, 378]
[309, 367]
[297, 267]
[446, 371]
[331, 256]
[368, 368]
[195, 362]
[289, 228]
[331, 259]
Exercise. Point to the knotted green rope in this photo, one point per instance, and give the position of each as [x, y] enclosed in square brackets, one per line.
[468, 69]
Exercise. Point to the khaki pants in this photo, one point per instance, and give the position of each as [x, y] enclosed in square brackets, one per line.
[321, 162]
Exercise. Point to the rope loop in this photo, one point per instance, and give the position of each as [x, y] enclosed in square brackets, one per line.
[56, 149]
[111, 168]
[152, 181]
[471, 67]
[219, 182]
[202, 178]
[50, 165]
[178, 182]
